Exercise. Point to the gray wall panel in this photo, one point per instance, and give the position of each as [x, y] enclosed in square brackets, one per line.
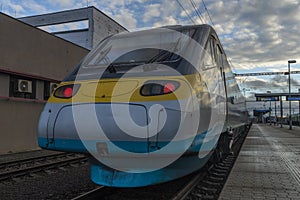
[4, 85]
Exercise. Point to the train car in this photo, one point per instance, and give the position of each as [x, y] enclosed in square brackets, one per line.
[147, 107]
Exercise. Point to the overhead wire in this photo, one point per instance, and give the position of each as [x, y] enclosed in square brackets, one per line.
[186, 12]
[207, 12]
[212, 23]
[196, 10]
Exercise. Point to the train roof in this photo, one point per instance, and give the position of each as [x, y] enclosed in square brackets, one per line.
[202, 27]
[205, 29]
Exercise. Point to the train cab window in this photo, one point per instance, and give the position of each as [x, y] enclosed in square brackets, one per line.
[209, 60]
[22, 87]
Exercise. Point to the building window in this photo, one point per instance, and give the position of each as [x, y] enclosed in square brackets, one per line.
[22, 87]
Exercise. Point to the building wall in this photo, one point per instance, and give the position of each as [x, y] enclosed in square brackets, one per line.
[98, 27]
[103, 26]
[63, 17]
[18, 125]
[25, 49]
[4, 85]
[31, 54]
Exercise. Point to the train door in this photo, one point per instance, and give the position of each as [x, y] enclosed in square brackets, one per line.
[220, 99]
[222, 81]
[215, 108]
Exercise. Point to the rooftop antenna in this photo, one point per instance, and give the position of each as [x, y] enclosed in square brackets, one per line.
[87, 3]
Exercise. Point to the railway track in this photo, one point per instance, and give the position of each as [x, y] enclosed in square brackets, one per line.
[98, 193]
[209, 184]
[206, 184]
[27, 166]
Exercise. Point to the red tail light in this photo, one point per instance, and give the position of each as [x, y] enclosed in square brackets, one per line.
[66, 91]
[168, 88]
[152, 88]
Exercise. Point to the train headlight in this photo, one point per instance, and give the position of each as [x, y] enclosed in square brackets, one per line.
[152, 88]
[66, 91]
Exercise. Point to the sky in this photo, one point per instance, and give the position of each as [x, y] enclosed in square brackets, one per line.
[257, 35]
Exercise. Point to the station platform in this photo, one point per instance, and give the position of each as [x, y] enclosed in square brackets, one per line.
[268, 165]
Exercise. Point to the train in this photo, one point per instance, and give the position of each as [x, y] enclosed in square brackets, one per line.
[148, 106]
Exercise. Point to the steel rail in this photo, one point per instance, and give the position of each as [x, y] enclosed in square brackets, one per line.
[33, 159]
[97, 193]
[211, 181]
[182, 194]
[40, 167]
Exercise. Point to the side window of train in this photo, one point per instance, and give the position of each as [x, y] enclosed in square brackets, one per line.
[219, 56]
[209, 59]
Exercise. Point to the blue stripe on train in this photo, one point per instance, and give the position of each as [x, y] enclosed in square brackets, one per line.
[102, 175]
[72, 145]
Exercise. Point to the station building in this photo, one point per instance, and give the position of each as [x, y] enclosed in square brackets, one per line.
[33, 61]
[84, 27]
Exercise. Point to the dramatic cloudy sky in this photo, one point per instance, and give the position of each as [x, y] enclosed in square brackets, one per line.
[258, 35]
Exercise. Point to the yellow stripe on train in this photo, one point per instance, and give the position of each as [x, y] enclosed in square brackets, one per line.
[128, 90]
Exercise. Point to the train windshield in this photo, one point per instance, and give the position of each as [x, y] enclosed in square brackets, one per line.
[142, 47]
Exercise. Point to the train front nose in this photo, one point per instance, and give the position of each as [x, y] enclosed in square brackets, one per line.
[109, 117]
[106, 124]
[111, 127]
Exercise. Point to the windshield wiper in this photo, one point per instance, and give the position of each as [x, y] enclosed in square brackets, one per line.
[154, 58]
[111, 69]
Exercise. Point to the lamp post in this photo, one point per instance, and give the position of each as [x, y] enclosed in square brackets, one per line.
[270, 113]
[275, 118]
[290, 112]
[281, 112]
[298, 110]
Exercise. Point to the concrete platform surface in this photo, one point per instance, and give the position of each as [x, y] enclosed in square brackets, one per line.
[268, 165]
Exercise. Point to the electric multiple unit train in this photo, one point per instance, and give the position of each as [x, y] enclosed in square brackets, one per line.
[147, 107]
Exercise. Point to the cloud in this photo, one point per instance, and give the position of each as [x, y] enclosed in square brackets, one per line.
[276, 83]
[166, 21]
[126, 18]
[16, 8]
[152, 10]
[169, 14]
[62, 3]
[119, 10]
[256, 35]
[263, 31]
[13, 8]
[36, 8]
